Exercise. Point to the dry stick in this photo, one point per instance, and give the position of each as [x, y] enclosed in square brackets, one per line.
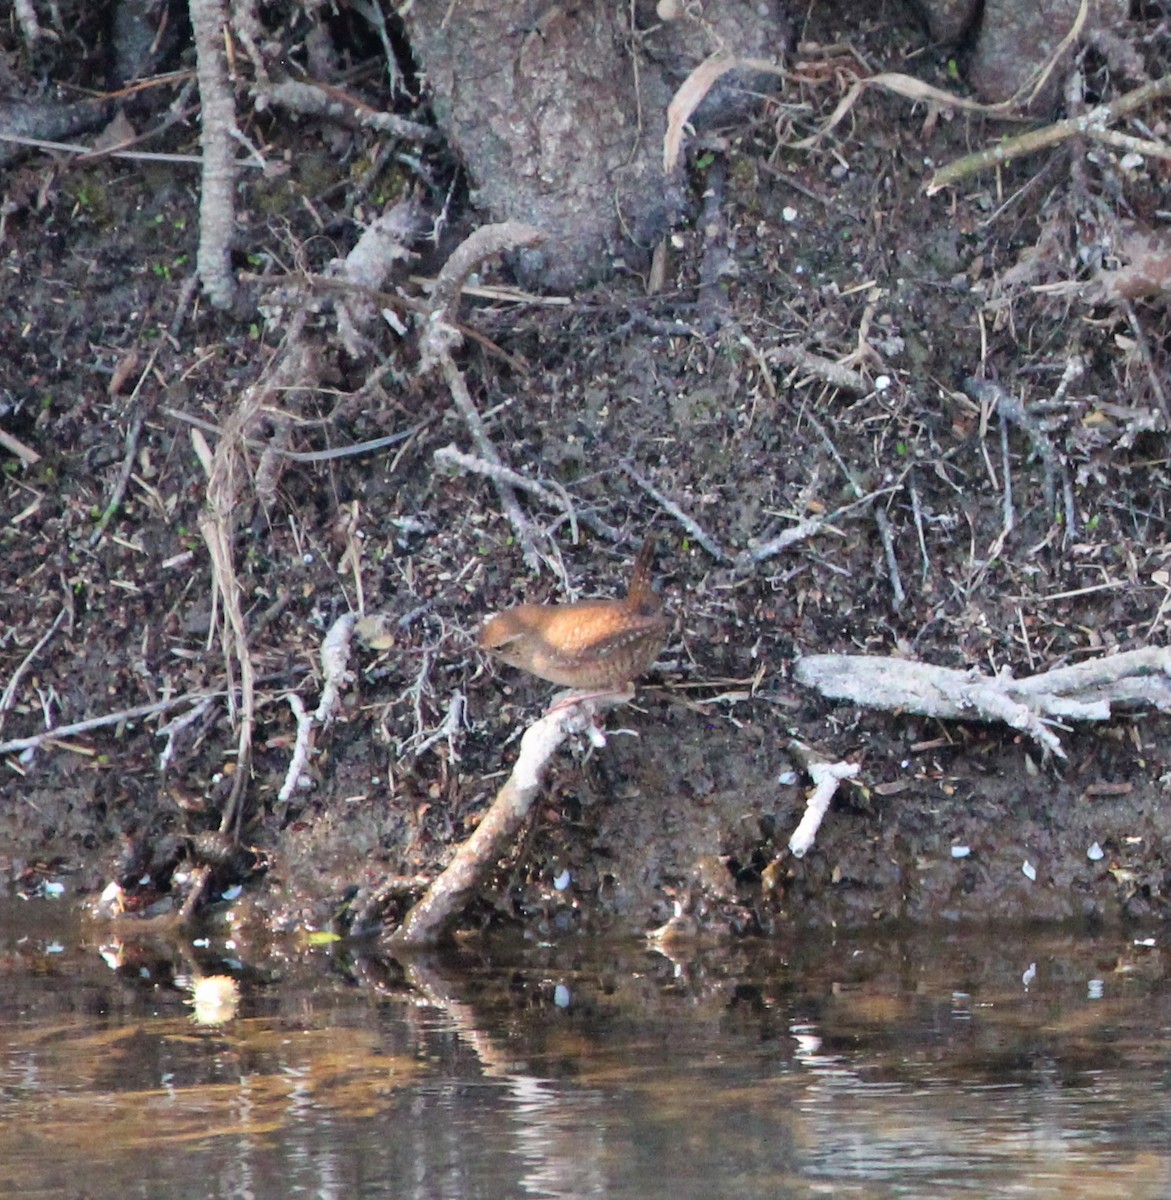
[306, 456]
[885, 530]
[1144, 350]
[302, 747]
[1012, 409]
[1088, 691]
[689, 523]
[384, 242]
[26, 18]
[477, 858]
[315, 100]
[478, 466]
[116, 496]
[822, 368]
[132, 436]
[808, 528]
[887, 537]
[217, 209]
[827, 777]
[9, 697]
[172, 729]
[29, 457]
[88, 152]
[1040, 139]
[917, 514]
[440, 337]
[15, 745]
[448, 729]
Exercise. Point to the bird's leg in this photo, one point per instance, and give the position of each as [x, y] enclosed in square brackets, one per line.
[609, 698]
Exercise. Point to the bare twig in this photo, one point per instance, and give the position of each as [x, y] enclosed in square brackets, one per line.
[217, 206]
[26, 18]
[133, 433]
[887, 537]
[9, 696]
[885, 531]
[477, 858]
[13, 445]
[320, 100]
[385, 242]
[440, 337]
[88, 152]
[806, 529]
[553, 495]
[335, 658]
[827, 777]
[15, 745]
[824, 369]
[669, 506]
[302, 747]
[1011, 408]
[1039, 139]
[449, 728]
[177, 725]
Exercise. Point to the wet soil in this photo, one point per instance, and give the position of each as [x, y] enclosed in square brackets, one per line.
[835, 250]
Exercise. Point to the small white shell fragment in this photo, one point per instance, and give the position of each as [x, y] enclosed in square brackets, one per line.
[1095, 853]
[1028, 870]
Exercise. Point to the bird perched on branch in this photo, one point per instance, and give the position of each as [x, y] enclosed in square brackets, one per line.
[594, 644]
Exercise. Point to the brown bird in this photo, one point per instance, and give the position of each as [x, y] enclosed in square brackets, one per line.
[594, 644]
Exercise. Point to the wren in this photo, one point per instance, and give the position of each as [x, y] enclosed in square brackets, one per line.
[593, 644]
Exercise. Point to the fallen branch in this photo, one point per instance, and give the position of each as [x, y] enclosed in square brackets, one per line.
[1087, 124]
[13, 445]
[322, 100]
[15, 745]
[217, 111]
[827, 777]
[1089, 691]
[689, 523]
[824, 369]
[477, 858]
[8, 698]
[440, 338]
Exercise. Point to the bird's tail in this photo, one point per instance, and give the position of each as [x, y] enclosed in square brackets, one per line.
[642, 594]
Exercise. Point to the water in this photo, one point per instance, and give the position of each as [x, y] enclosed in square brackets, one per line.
[1026, 1064]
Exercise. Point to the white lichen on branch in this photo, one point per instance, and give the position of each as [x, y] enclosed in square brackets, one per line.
[1087, 691]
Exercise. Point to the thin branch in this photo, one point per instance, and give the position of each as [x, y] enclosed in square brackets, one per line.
[1051, 135]
[440, 337]
[9, 697]
[430, 919]
[689, 523]
[60, 732]
[217, 205]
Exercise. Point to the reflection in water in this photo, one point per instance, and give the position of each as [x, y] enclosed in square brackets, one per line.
[890, 1065]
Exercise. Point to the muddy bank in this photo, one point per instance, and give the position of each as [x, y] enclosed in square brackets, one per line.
[1022, 537]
